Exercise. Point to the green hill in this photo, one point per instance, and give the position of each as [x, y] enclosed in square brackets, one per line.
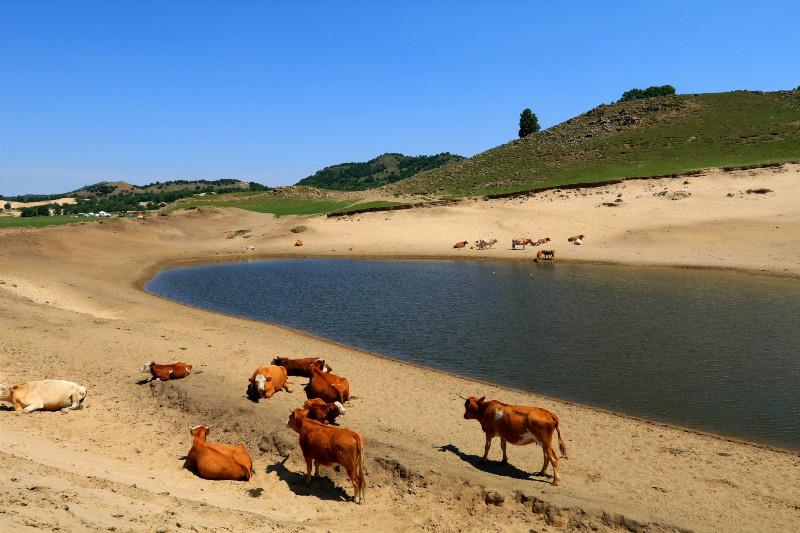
[648, 137]
[384, 169]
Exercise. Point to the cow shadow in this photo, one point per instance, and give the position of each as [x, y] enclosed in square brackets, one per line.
[321, 487]
[6, 408]
[491, 467]
[144, 381]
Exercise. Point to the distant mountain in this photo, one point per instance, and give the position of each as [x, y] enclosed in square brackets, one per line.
[120, 188]
[384, 169]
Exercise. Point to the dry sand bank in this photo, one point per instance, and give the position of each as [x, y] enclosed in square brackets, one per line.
[73, 309]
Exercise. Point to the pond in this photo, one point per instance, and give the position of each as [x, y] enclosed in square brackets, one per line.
[707, 350]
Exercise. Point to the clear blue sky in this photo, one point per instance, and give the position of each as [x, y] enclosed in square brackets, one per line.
[272, 91]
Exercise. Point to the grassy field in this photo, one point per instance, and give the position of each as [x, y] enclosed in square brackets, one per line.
[641, 138]
[39, 222]
[277, 205]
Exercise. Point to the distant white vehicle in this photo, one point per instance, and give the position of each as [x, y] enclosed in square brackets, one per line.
[103, 214]
[90, 214]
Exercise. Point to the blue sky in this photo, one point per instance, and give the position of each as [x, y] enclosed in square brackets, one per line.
[273, 91]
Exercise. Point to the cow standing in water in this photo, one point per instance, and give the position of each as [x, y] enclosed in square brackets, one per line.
[518, 425]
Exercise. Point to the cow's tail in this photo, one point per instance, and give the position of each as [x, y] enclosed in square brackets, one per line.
[561, 446]
[361, 474]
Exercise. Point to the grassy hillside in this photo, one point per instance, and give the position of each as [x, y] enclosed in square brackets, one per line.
[285, 201]
[384, 169]
[638, 138]
[40, 222]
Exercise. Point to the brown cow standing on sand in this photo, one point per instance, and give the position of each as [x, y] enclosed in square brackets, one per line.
[217, 461]
[327, 387]
[322, 411]
[301, 367]
[176, 370]
[548, 255]
[518, 425]
[266, 381]
[460, 244]
[327, 446]
[521, 241]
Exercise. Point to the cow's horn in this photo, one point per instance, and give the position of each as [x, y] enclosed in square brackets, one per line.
[462, 397]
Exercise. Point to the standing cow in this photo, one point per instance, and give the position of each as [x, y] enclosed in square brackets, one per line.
[518, 425]
[327, 445]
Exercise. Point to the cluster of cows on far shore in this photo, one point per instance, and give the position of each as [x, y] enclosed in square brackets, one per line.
[541, 255]
[320, 441]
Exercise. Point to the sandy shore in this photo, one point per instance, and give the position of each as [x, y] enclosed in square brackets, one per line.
[73, 308]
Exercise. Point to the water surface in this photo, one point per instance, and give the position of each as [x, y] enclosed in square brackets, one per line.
[708, 350]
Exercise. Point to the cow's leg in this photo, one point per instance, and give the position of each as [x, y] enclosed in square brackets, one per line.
[486, 448]
[316, 469]
[76, 403]
[33, 407]
[503, 446]
[545, 464]
[553, 459]
[309, 460]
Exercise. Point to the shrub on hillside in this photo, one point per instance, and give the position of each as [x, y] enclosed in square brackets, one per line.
[650, 92]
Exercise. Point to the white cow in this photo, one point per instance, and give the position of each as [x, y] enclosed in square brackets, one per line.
[46, 395]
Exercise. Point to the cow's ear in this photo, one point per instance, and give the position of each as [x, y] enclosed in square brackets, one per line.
[480, 400]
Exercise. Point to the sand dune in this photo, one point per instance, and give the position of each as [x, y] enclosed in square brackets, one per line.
[78, 312]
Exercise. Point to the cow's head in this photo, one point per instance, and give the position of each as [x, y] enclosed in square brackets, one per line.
[296, 419]
[200, 432]
[340, 407]
[473, 407]
[323, 367]
[264, 386]
[146, 367]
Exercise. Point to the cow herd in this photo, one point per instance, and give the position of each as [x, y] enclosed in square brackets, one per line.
[321, 442]
[541, 255]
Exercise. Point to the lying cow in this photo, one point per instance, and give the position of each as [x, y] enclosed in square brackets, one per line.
[327, 446]
[460, 244]
[540, 242]
[483, 244]
[298, 242]
[217, 461]
[545, 255]
[301, 367]
[575, 238]
[176, 370]
[327, 387]
[518, 425]
[44, 395]
[322, 411]
[266, 381]
[521, 241]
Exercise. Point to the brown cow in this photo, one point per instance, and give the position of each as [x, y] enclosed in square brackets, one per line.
[521, 241]
[518, 425]
[301, 367]
[575, 238]
[327, 446]
[298, 242]
[176, 370]
[460, 244]
[540, 242]
[322, 411]
[217, 461]
[327, 387]
[266, 381]
[548, 255]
